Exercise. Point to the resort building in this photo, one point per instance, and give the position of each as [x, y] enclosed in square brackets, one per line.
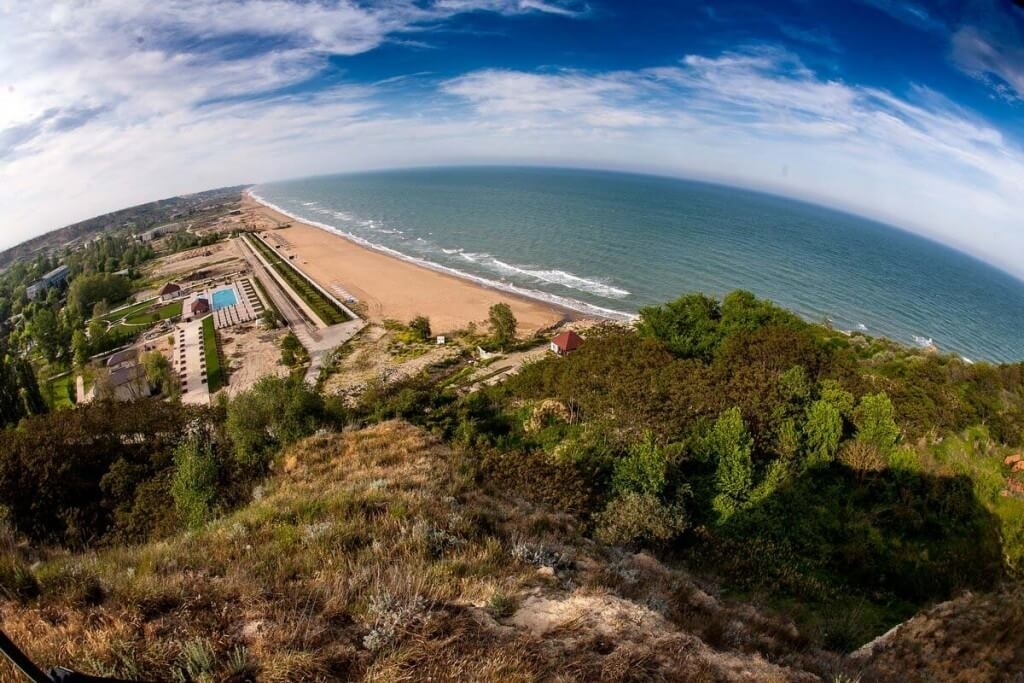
[170, 291]
[567, 342]
[123, 359]
[200, 307]
[160, 231]
[56, 277]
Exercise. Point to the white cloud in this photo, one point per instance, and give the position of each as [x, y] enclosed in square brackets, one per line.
[96, 119]
[917, 160]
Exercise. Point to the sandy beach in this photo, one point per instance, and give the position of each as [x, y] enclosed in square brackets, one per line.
[388, 287]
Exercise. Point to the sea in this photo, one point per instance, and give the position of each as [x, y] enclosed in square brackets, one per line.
[610, 243]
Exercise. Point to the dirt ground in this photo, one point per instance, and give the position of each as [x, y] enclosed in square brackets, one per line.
[372, 358]
[251, 353]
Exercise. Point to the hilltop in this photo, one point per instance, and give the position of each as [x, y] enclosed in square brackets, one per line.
[722, 492]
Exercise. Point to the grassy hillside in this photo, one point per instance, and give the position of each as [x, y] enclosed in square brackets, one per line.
[376, 555]
[724, 491]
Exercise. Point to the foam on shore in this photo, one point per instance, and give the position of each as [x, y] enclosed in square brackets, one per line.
[554, 299]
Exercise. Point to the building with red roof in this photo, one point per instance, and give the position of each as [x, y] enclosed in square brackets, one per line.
[200, 306]
[567, 342]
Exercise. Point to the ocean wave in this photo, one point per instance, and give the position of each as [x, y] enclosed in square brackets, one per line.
[565, 302]
[570, 280]
[862, 327]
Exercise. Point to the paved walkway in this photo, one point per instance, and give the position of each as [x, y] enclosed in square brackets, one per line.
[318, 342]
[189, 361]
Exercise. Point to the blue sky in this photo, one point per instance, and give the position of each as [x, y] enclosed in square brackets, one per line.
[909, 112]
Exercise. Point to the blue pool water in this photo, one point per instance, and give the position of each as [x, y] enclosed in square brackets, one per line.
[223, 298]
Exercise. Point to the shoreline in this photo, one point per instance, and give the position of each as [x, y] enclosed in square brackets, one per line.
[573, 307]
[393, 285]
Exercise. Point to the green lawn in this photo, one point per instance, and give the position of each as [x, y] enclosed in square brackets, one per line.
[214, 374]
[327, 310]
[62, 390]
[171, 310]
[129, 311]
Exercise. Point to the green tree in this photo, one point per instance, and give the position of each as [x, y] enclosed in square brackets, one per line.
[421, 326]
[194, 484]
[160, 373]
[876, 422]
[832, 392]
[292, 351]
[80, 348]
[503, 323]
[273, 413]
[687, 326]
[46, 333]
[270, 319]
[730, 445]
[643, 470]
[823, 431]
[98, 336]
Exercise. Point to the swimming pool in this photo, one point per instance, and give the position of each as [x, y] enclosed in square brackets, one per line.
[223, 298]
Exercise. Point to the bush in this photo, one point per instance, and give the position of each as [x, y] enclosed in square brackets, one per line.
[876, 423]
[272, 414]
[637, 518]
[643, 471]
[862, 456]
[420, 325]
[194, 486]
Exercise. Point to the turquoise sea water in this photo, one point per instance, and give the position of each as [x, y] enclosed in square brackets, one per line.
[223, 298]
[614, 242]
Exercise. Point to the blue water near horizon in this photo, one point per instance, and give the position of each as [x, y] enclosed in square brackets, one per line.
[223, 298]
[613, 242]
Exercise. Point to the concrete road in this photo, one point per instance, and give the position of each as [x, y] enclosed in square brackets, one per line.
[318, 341]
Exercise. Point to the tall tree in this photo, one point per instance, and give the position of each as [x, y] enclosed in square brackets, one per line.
[876, 422]
[730, 444]
[503, 323]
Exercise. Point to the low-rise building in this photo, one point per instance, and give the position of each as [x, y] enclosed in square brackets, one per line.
[567, 342]
[170, 291]
[55, 278]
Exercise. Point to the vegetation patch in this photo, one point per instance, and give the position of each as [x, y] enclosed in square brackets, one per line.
[328, 311]
[166, 312]
[214, 370]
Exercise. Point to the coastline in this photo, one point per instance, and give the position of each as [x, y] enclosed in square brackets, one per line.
[395, 286]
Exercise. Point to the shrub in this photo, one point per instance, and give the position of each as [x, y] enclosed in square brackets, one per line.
[862, 456]
[273, 413]
[638, 518]
[503, 323]
[194, 486]
[643, 471]
[876, 423]
[16, 580]
[823, 430]
[730, 446]
[420, 325]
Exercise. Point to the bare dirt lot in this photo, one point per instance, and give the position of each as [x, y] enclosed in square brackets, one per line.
[251, 353]
[373, 354]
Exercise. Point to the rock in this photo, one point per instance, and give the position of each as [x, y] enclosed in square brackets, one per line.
[1018, 467]
[1012, 459]
[548, 572]
[252, 629]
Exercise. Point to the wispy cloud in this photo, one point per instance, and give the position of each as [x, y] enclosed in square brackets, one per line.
[915, 159]
[115, 102]
[986, 38]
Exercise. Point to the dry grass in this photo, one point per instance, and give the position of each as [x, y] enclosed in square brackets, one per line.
[367, 557]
